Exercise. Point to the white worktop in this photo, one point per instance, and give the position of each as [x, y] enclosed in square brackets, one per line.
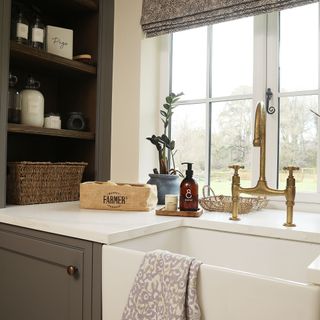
[113, 226]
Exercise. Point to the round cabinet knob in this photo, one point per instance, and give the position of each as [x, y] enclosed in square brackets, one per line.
[72, 270]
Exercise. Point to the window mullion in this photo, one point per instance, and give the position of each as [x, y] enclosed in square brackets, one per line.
[272, 155]
[208, 105]
[259, 78]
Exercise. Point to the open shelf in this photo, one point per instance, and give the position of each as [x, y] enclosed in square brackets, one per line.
[69, 6]
[22, 54]
[23, 129]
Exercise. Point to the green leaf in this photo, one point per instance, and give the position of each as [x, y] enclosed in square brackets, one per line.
[163, 113]
[169, 99]
[165, 139]
[166, 106]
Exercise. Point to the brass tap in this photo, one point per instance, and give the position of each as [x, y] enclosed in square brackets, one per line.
[262, 187]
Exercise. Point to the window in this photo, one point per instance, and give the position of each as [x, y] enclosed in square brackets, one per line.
[224, 70]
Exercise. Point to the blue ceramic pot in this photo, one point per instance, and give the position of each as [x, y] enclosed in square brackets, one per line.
[166, 184]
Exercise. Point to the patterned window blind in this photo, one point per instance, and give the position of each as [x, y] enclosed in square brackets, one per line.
[165, 16]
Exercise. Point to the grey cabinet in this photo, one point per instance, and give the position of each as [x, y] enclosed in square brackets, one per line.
[45, 276]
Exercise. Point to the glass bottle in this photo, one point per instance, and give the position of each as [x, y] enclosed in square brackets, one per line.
[21, 29]
[37, 34]
[14, 111]
[32, 104]
[188, 191]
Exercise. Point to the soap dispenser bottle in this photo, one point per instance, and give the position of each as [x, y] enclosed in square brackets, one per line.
[188, 191]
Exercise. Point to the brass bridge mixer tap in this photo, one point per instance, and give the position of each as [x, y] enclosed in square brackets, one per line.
[262, 187]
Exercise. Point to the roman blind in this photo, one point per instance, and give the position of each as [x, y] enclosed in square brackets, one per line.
[165, 16]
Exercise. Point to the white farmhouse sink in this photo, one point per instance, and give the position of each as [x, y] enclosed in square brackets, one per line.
[242, 276]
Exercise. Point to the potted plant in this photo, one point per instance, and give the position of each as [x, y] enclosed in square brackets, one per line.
[166, 179]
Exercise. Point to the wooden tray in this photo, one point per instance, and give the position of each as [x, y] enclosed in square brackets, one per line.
[163, 212]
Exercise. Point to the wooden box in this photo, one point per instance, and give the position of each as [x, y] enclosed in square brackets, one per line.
[112, 196]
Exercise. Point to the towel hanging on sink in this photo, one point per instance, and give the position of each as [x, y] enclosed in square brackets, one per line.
[165, 288]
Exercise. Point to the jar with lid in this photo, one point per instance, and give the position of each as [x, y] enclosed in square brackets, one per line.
[14, 111]
[21, 28]
[52, 121]
[32, 104]
[37, 34]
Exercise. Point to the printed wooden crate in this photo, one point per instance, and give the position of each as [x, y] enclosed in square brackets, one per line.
[122, 196]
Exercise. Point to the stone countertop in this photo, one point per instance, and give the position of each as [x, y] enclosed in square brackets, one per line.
[109, 227]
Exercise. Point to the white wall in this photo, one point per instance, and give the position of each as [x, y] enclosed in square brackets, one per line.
[135, 96]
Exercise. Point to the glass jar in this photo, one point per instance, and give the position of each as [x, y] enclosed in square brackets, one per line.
[32, 104]
[37, 34]
[21, 28]
[14, 111]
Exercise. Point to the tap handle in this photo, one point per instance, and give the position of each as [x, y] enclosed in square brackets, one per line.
[291, 169]
[236, 168]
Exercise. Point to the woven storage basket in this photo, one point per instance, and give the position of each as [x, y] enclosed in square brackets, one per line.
[43, 182]
[223, 203]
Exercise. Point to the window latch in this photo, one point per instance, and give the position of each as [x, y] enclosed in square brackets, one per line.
[269, 109]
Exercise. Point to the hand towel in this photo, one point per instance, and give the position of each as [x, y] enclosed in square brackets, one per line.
[165, 288]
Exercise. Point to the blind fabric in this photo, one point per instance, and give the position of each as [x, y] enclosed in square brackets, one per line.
[165, 16]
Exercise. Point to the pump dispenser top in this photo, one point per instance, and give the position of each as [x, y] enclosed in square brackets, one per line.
[188, 191]
[189, 171]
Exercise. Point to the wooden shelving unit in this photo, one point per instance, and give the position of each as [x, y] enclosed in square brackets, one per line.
[22, 55]
[23, 129]
[67, 86]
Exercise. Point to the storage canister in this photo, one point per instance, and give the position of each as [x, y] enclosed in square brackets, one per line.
[32, 104]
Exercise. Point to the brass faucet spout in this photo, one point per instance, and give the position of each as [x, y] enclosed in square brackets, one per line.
[257, 134]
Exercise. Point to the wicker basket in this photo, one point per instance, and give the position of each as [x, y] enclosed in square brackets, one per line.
[223, 203]
[43, 182]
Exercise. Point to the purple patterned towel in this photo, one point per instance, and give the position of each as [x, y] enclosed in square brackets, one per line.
[165, 288]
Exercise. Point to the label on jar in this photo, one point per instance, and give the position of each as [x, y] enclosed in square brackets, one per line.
[37, 35]
[22, 30]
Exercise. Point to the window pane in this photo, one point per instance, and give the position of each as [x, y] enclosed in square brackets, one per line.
[188, 131]
[299, 53]
[231, 140]
[299, 141]
[189, 63]
[232, 57]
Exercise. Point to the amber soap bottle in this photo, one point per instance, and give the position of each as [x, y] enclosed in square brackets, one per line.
[188, 191]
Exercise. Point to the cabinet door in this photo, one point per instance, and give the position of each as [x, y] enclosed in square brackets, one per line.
[34, 279]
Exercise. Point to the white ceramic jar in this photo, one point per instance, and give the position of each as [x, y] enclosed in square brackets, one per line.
[52, 121]
[32, 104]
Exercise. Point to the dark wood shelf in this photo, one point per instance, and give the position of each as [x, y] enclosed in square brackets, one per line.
[72, 5]
[63, 6]
[63, 133]
[39, 59]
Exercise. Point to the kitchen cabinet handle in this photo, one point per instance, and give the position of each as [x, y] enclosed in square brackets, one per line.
[72, 270]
